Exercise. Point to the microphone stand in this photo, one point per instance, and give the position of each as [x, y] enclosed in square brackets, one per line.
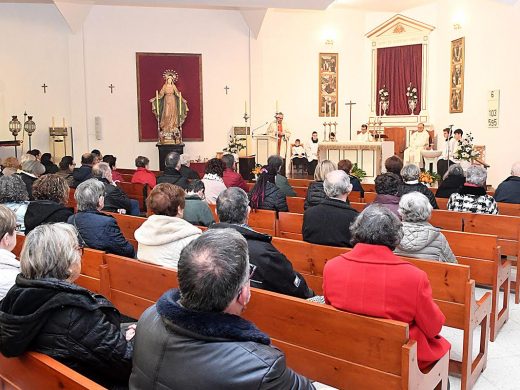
[450, 135]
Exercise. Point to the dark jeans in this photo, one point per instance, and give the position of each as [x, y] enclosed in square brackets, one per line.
[300, 162]
[311, 167]
[134, 207]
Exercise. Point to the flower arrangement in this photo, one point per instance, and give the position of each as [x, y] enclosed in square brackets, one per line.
[383, 94]
[411, 93]
[234, 145]
[257, 170]
[466, 151]
[429, 177]
[358, 172]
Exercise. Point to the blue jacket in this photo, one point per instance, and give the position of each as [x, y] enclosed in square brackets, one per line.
[509, 190]
[100, 231]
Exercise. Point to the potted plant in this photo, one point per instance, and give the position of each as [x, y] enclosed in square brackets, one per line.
[234, 146]
[358, 172]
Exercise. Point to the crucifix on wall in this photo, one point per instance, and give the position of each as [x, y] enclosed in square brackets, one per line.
[45, 86]
[227, 89]
[111, 88]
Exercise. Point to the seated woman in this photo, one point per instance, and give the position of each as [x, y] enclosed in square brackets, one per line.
[49, 165]
[165, 234]
[142, 174]
[31, 170]
[420, 238]
[51, 195]
[95, 229]
[10, 166]
[67, 165]
[403, 291]
[471, 197]
[13, 195]
[213, 181]
[452, 181]
[315, 192]
[45, 312]
[298, 156]
[387, 189]
[346, 165]
[111, 161]
[196, 210]
[410, 174]
[265, 195]
[9, 266]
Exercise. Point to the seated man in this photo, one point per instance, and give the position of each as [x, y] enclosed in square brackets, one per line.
[280, 180]
[364, 135]
[419, 140]
[274, 271]
[185, 170]
[203, 341]
[172, 174]
[116, 201]
[328, 223]
[85, 171]
[509, 190]
[298, 156]
[231, 177]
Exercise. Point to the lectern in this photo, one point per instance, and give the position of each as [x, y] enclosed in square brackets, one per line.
[265, 146]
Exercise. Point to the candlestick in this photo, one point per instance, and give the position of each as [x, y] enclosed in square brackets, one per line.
[245, 107]
[157, 102]
[180, 103]
[52, 121]
[63, 122]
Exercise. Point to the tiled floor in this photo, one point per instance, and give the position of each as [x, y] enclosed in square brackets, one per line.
[503, 366]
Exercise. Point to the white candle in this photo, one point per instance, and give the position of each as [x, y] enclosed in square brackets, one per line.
[277, 105]
[63, 122]
[52, 121]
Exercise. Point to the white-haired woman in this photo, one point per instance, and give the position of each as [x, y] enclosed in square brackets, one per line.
[472, 197]
[9, 266]
[45, 312]
[410, 174]
[420, 238]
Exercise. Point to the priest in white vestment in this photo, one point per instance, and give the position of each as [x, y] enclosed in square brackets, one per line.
[419, 140]
[364, 135]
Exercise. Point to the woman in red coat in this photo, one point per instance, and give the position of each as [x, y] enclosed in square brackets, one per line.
[372, 281]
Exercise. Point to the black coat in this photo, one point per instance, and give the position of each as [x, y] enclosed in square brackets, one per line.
[50, 167]
[28, 180]
[450, 186]
[81, 174]
[418, 187]
[356, 185]
[115, 198]
[274, 271]
[508, 191]
[328, 223]
[178, 348]
[274, 198]
[189, 173]
[315, 194]
[69, 323]
[100, 231]
[173, 176]
[40, 212]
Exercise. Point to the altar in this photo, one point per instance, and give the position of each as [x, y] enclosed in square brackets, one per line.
[369, 156]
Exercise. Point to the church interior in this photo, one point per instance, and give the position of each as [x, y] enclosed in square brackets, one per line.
[80, 65]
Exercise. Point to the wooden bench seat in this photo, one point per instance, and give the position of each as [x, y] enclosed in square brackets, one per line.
[337, 348]
[137, 191]
[452, 289]
[128, 224]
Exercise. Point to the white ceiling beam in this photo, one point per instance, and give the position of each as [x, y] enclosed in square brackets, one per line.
[74, 12]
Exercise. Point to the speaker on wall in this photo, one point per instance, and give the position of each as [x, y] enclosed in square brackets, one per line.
[98, 128]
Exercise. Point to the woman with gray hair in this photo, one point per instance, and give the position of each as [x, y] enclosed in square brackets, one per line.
[45, 312]
[452, 181]
[31, 170]
[420, 239]
[472, 197]
[410, 174]
[9, 266]
[13, 195]
[371, 280]
[95, 229]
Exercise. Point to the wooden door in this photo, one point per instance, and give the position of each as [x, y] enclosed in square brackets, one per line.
[398, 135]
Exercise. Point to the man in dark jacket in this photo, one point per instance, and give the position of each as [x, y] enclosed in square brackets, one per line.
[203, 341]
[95, 229]
[185, 169]
[509, 190]
[172, 165]
[115, 198]
[329, 222]
[84, 172]
[274, 271]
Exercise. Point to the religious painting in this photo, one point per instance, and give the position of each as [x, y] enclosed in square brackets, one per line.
[328, 85]
[457, 76]
[169, 97]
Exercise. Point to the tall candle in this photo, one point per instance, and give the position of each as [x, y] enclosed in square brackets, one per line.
[63, 122]
[180, 103]
[277, 105]
[245, 106]
[157, 102]
[53, 122]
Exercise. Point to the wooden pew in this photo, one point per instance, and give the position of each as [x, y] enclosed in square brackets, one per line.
[301, 192]
[34, 370]
[337, 348]
[452, 288]
[299, 182]
[263, 221]
[359, 207]
[131, 171]
[290, 225]
[128, 225]
[72, 201]
[137, 191]
[20, 239]
[127, 177]
[369, 197]
[442, 203]
[296, 204]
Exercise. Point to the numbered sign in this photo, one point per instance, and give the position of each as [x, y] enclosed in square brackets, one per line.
[493, 106]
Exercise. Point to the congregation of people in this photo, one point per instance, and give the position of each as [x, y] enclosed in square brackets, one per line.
[195, 336]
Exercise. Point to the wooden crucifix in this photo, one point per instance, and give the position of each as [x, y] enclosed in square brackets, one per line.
[350, 104]
[111, 88]
[227, 89]
[45, 86]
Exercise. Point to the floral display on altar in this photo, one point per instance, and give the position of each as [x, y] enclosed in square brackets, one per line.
[466, 150]
[429, 178]
[384, 103]
[411, 95]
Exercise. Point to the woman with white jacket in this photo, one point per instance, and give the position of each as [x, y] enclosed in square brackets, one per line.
[163, 236]
[9, 266]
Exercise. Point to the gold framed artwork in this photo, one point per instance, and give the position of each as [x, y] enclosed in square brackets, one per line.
[457, 76]
[328, 85]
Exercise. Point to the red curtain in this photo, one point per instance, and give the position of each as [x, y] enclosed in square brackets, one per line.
[396, 68]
